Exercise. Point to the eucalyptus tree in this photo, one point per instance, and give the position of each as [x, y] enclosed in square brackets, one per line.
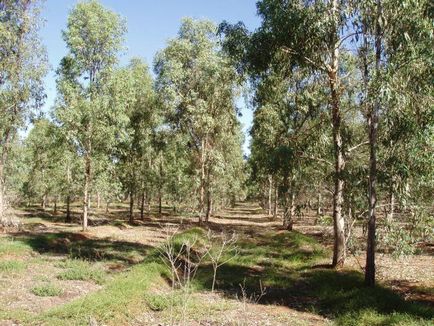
[287, 132]
[316, 35]
[136, 149]
[198, 87]
[397, 94]
[94, 37]
[22, 68]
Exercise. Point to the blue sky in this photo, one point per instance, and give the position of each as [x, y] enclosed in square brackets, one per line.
[150, 24]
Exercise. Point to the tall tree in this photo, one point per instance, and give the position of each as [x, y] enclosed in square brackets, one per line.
[315, 35]
[94, 37]
[22, 68]
[198, 85]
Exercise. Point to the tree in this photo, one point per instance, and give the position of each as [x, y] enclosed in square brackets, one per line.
[399, 35]
[198, 87]
[313, 35]
[22, 68]
[94, 38]
[137, 149]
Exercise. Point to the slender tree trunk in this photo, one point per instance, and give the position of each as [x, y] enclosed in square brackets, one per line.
[55, 205]
[373, 125]
[209, 206]
[270, 194]
[202, 182]
[2, 191]
[131, 213]
[289, 211]
[319, 205]
[87, 171]
[148, 204]
[107, 207]
[339, 248]
[142, 206]
[44, 202]
[68, 218]
[391, 212]
[3, 159]
[98, 200]
[276, 201]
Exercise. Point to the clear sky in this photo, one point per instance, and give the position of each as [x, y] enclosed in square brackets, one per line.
[150, 24]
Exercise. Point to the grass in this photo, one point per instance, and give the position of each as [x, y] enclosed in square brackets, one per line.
[81, 270]
[8, 266]
[46, 290]
[120, 300]
[10, 246]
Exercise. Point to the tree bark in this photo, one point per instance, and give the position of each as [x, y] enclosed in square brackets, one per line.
[209, 207]
[44, 201]
[142, 206]
[319, 203]
[202, 182]
[68, 209]
[270, 194]
[131, 212]
[87, 171]
[55, 205]
[339, 248]
[98, 200]
[373, 125]
[276, 201]
[289, 210]
[2, 190]
[391, 212]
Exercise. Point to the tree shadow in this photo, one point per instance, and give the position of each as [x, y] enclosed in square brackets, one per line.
[77, 245]
[293, 278]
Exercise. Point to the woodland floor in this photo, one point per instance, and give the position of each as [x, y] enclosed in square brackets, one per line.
[51, 273]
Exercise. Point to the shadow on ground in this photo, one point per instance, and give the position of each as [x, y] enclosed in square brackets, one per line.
[78, 245]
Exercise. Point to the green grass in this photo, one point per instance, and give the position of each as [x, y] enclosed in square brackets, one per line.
[10, 246]
[120, 300]
[8, 266]
[81, 270]
[46, 290]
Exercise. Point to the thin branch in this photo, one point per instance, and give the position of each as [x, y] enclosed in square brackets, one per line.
[357, 146]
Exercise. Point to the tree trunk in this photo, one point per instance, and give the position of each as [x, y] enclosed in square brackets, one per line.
[276, 201]
[55, 205]
[289, 210]
[131, 214]
[270, 194]
[87, 170]
[142, 207]
[339, 249]
[44, 202]
[319, 203]
[373, 125]
[68, 209]
[209, 207]
[98, 200]
[391, 212]
[2, 191]
[202, 182]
